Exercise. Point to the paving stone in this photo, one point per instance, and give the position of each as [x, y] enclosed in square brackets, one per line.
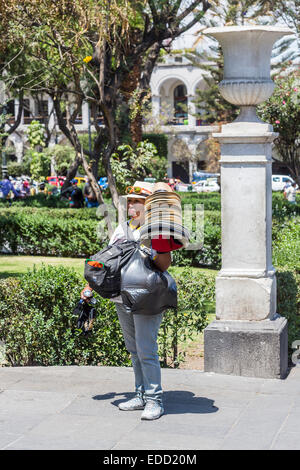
[105, 407]
[73, 432]
[292, 423]
[7, 438]
[287, 441]
[144, 439]
[19, 423]
[76, 408]
[24, 402]
[255, 429]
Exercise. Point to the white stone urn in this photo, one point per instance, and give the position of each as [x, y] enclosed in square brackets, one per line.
[247, 52]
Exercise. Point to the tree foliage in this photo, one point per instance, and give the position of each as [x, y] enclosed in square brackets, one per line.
[282, 110]
[133, 164]
[284, 12]
[39, 160]
[102, 52]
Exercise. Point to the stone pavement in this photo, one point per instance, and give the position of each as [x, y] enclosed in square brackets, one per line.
[73, 407]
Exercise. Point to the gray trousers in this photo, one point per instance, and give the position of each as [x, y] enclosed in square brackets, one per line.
[140, 335]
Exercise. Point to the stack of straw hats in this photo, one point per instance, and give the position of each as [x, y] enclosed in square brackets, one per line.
[163, 215]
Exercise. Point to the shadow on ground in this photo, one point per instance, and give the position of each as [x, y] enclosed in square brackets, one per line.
[175, 402]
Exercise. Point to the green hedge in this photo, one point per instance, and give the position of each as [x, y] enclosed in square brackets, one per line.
[66, 232]
[212, 201]
[286, 243]
[73, 232]
[49, 233]
[39, 200]
[69, 232]
[38, 328]
[288, 300]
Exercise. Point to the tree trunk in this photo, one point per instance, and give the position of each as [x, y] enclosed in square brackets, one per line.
[96, 189]
[72, 170]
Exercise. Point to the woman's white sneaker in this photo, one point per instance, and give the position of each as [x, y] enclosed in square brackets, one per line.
[136, 403]
[153, 410]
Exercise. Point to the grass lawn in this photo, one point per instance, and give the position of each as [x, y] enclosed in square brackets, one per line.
[15, 266]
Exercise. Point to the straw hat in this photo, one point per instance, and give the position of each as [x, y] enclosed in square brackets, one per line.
[160, 186]
[163, 215]
[140, 190]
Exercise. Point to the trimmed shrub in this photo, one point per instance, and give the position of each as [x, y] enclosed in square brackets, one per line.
[288, 300]
[210, 201]
[286, 243]
[38, 328]
[40, 200]
[73, 232]
[196, 299]
[53, 232]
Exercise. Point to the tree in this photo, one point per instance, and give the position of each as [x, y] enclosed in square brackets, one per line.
[102, 52]
[130, 164]
[288, 12]
[282, 110]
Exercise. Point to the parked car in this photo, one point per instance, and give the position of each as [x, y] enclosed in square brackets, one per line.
[182, 187]
[279, 182]
[203, 175]
[56, 180]
[206, 186]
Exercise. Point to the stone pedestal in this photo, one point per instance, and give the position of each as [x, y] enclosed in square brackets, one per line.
[247, 348]
[248, 337]
[246, 284]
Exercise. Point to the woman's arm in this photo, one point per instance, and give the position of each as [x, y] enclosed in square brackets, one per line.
[163, 261]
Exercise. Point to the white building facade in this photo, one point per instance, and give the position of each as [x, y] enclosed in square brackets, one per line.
[174, 83]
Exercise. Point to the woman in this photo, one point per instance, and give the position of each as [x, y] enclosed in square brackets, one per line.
[140, 331]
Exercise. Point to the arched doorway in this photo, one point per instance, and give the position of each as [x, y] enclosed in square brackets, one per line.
[180, 171]
[180, 104]
[180, 156]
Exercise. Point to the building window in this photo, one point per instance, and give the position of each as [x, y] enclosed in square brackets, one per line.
[27, 112]
[180, 105]
[41, 111]
[10, 109]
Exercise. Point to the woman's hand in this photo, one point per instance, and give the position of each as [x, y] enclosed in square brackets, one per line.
[82, 296]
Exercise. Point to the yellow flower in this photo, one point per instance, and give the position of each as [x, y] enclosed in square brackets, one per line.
[87, 59]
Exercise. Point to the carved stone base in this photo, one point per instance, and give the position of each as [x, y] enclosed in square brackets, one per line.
[239, 298]
[251, 349]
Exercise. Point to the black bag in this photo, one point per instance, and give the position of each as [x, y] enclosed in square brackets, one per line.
[144, 288]
[103, 270]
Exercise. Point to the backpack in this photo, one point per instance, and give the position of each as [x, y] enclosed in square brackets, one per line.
[103, 270]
